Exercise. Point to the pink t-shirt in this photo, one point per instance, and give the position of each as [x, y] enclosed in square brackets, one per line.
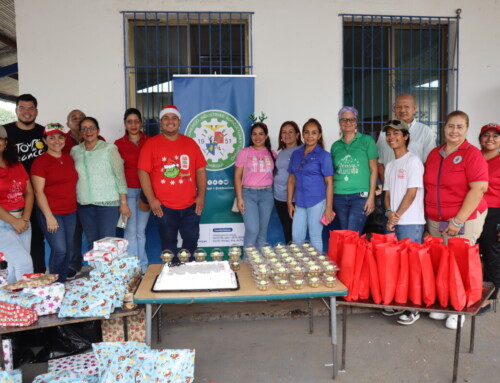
[258, 166]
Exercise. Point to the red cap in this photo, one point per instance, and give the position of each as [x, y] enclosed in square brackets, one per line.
[490, 126]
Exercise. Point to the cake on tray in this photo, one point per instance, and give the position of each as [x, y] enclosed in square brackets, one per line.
[196, 276]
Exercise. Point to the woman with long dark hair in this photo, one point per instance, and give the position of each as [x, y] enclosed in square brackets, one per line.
[16, 204]
[253, 184]
[289, 142]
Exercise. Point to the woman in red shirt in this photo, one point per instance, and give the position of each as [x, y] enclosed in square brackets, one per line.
[129, 147]
[16, 203]
[54, 179]
[489, 242]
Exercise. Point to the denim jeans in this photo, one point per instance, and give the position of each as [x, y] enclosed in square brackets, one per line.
[16, 250]
[183, 221]
[135, 231]
[258, 208]
[414, 232]
[59, 242]
[309, 218]
[350, 211]
[98, 221]
[75, 254]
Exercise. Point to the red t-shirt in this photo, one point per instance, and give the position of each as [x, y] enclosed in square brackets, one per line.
[448, 179]
[172, 168]
[492, 196]
[130, 154]
[60, 181]
[12, 186]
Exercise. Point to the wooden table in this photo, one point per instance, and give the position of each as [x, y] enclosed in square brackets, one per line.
[248, 292]
[467, 311]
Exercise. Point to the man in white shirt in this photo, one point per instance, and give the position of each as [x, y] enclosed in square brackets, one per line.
[422, 140]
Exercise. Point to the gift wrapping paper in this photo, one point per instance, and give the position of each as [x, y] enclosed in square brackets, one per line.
[13, 376]
[85, 364]
[52, 298]
[8, 359]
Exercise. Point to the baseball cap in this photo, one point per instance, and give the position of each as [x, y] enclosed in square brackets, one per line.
[490, 126]
[54, 128]
[396, 124]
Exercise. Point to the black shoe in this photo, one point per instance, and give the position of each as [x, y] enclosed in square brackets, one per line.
[484, 310]
[71, 275]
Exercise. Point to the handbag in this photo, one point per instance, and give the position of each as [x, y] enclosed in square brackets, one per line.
[235, 208]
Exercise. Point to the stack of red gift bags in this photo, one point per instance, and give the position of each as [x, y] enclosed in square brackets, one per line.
[396, 272]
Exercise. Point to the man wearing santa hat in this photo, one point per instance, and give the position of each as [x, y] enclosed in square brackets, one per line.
[173, 177]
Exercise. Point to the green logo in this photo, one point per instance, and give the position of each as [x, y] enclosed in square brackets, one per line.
[219, 135]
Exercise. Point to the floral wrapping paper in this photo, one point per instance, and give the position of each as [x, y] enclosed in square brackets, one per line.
[32, 280]
[52, 298]
[8, 359]
[112, 329]
[13, 376]
[88, 299]
[19, 298]
[65, 377]
[133, 362]
[85, 364]
[12, 315]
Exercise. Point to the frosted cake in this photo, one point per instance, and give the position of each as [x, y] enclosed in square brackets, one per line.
[215, 275]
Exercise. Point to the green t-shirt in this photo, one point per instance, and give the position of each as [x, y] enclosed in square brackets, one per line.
[351, 164]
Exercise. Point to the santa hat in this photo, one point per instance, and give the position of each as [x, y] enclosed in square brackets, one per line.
[55, 128]
[170, 109]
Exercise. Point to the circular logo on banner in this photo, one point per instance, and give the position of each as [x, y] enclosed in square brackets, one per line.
[219, 135]
[457, 160]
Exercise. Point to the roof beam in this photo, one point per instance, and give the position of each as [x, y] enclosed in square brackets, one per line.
[8, 70]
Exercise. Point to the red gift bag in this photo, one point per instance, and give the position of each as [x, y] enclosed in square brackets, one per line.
[348, 261]
[469, 264]
[373, 272]
[401, 295]
[434, 250]
[377, 239]
[364, 280]
[458, 297]
[428, 278]
[336, 243]
[443, 275]
[358, 265]
[388, 270]
[415, 275]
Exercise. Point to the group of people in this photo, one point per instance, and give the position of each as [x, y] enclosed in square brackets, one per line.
[58, 182]
[82, 183]
[452, 190]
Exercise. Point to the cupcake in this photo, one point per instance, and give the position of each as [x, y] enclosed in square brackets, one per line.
[263, 284]
[183, 255]
[217, 254]
[167, 256]
[329, 281]
[200, 255]
[298, 283]
[235, 265]
[282, 284]
[314, 281]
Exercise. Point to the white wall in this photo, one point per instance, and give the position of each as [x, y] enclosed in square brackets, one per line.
[70, 55]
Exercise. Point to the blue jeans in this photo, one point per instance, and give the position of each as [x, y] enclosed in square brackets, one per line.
[98, 221]
[258, 208]
[350, 211]
[183, 221]
[414, 232]
[75, 254]
[16, 250]
[135, 231]
[60, 242]
[309, 218]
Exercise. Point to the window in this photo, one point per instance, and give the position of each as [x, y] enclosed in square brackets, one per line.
[385, 56]
[159, 45]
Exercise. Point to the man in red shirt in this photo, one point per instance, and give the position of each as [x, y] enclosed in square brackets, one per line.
[173, 177]
[73, 122]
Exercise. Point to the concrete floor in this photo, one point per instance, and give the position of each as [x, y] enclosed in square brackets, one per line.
[270, 342]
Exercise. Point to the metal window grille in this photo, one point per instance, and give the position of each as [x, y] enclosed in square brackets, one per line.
[158, 45]
[385, 56]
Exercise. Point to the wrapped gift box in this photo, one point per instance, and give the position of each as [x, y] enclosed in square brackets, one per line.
[8, 359]
[112, 329]
[85, 364]
[12, 315]
[13, 376]
[32, 280]
[52, 298]
[88, 299]
[119, 245]
[65, 377]
[100, 255]
[19, 298]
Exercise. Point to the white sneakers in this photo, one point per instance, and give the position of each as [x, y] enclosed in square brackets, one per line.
[451, 320]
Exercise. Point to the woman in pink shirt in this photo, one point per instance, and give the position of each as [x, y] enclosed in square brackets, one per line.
[253, 185]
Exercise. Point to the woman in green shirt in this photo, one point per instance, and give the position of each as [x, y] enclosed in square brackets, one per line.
[354, 158]
[101, 190]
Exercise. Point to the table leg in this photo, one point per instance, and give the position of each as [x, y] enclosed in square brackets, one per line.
[310, 313]
[149, 319]
[472, 334]
[125, 329]
[333, 323]
[158, 321]
[344, 336]
[457, 349]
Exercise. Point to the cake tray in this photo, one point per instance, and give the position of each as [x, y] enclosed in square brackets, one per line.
[197, 290]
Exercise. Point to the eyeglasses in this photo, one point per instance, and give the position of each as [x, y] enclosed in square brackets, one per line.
[347, 120]
[89, 129]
